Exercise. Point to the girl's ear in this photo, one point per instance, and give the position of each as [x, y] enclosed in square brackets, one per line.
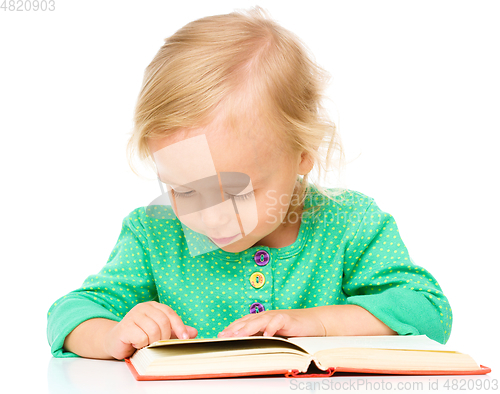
[306, 163]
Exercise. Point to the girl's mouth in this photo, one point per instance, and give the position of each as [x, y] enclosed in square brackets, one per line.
[223, 241]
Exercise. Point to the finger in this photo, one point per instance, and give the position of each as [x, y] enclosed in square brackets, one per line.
[193, 332]
[277, 323]
[150, 328]
[231, 329]
[252, 327]
[177, 326]
[235, 325]
[161, 319]
[136, 336]
[247, 317]
[248, 327]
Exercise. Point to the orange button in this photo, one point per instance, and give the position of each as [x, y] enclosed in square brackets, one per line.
[257, 280]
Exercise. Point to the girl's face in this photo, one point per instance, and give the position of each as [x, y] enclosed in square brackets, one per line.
[262, 204]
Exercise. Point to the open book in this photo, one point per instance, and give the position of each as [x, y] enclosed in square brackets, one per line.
[299, 356]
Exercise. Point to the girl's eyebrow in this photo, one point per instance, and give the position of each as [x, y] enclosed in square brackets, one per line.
[233, 184]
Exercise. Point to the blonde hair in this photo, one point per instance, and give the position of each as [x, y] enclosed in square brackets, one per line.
[254, 71]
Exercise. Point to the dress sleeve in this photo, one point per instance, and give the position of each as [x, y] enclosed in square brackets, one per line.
[123, 282]
[380, 276]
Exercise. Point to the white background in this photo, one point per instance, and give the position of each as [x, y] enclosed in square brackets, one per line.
[416, 85]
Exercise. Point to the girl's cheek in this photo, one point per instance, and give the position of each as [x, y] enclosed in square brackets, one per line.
[249, 215]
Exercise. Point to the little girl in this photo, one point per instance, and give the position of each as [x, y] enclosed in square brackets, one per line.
[229, 116]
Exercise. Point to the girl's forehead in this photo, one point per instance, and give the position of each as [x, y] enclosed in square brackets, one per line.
[201, 156]
[185, 161]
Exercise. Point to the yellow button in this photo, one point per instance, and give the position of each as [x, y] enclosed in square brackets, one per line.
[257, 280]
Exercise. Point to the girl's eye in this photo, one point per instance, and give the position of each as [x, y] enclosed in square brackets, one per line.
[181, 195]
[192, 192]
[245, 196]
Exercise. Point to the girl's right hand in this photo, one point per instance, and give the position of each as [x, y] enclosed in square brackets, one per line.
[144, 324]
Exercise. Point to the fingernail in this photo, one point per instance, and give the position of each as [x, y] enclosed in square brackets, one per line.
[222, 333]
[185, 336]
[265, 334]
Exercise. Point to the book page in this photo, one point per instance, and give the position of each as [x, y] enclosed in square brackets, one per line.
[414, 342]
[223, 344]
[213, 356]
[166, 342]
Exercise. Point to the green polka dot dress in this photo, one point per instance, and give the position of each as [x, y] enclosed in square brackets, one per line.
[348, 251]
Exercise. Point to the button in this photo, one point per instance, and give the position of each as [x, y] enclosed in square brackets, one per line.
[257, 280]
[261, 258]
[257, 307]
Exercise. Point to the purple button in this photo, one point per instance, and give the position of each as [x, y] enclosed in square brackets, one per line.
[257, 307]
[261, 258]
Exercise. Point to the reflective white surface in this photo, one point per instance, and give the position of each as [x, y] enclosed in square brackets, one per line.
[77, 375]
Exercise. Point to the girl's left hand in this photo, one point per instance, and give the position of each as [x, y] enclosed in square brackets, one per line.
[284, 322]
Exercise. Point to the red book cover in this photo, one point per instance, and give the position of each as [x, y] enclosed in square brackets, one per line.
[296, 374]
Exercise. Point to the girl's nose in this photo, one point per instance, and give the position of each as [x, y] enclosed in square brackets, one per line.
[216, 216]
